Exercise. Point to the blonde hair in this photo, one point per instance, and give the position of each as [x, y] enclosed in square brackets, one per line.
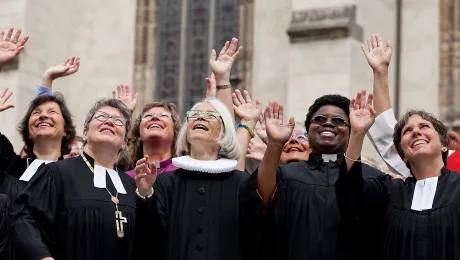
[228, 140]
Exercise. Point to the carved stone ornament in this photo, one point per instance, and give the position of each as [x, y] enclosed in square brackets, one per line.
[324, 24]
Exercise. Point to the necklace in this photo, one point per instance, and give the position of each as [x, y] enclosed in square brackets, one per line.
[119, 219]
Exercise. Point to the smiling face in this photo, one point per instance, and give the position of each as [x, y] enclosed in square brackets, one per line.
[296, 149]
[331, 135]
[46, 121]
[108, 132]
[156, 123]
[204, 124]
[420, 139]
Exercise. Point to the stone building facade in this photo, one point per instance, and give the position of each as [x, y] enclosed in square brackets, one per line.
[294, 50]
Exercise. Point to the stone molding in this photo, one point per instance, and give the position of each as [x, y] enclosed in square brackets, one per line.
[325, 24]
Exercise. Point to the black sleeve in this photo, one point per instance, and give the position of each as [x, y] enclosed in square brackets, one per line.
[34, 212]
[4, 224]
[7, 154]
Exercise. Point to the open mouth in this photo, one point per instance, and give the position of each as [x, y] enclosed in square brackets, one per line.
[419, 142]
[294, 149]
[107, 130]
[327, 133]
[200, 127]
[155, 126]
[44, 124]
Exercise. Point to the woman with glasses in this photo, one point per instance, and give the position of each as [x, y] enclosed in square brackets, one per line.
[154, 136]
[196, 208]
[302, 218]
[83, 207]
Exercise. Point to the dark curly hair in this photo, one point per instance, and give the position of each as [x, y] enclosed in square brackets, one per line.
[438, 126]
[69, 128]
[136, 145]
[335, 100]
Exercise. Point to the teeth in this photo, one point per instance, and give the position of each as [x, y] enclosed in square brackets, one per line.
[154, 126]
[44, 124]
[327, 133]
[419, 142]
[107, 130]
[294, 150]
[199, 126]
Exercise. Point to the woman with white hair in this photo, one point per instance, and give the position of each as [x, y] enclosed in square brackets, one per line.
[195, 208]
[83, 207]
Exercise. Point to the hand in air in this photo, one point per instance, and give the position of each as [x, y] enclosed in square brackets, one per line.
[245, 109]
[69, 67]
[277, 132]
[222, 66]
[261, 130]
[146, 175]
[123, 93]
[256, 150]
[362, 113]
[4, 96]
[378, 55]
[11, 46]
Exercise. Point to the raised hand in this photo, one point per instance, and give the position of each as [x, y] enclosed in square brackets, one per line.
[211, 92]
[69, 67]
[362, 113]
[4, 96]
[146, 175]
[123, 93]
[261, 130]
[378, 55]
[10, 47]
[256, 150]
[246, 111]
[222, 66]
[276, 131]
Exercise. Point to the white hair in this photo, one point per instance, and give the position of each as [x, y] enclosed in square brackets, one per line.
[228, 140]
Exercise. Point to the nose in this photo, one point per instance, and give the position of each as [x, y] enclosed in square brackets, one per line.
[416, 132]
[43, 116]
[109, 122]
[293, 140]
[328, 123]
[200, 117]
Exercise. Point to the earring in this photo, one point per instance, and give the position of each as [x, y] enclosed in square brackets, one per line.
[444, 149]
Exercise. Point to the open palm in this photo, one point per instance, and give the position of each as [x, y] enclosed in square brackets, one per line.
[245, 109]
[362, 114]
[69, 67]
[276, 131]
[10, 47]
[227, 56]
[378, 55]
[4, 96]
[261, 129]
[146, 175]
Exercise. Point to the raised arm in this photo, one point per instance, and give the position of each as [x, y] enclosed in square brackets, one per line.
[69, 67]
[277, 134]
[221, 68]
[248, 114]
[10, 46]
[124, 94]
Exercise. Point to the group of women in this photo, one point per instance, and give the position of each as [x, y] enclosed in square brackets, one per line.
[189, 194]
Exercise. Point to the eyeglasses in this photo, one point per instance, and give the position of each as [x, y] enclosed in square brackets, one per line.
[300, 137]
[207, 115]
[103, 117]
[335, 120]
[148, 117]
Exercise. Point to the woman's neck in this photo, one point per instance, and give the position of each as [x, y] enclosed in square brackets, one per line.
[157, 151]
[47, 150]
[102, 155]
[425, 169]
[204, 152]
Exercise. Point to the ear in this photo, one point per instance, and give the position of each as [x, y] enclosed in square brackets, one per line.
[85, 132]
[444, 149]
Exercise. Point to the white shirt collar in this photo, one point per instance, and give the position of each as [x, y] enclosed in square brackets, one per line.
[329, 157]
[32, 169]
[424, 194]
[100, 178]
[217, 166]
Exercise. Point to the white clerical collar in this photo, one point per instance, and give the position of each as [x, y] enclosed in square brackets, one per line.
[329, 157]
[424, 194]
[100, 178]
[32, 169]
[217, 166]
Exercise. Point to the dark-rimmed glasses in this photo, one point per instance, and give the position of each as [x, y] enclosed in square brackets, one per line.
[335, 120]
[103, 117]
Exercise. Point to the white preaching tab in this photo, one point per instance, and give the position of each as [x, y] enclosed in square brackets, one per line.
[100, 182]
[32, 169]
[329, 157]
[424, 194]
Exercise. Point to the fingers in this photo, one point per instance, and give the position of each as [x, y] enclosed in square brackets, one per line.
[258, 105]
[232, 48]
[119, 91]
[240, 97]
[238, 52]
[236, 101]
[270, 110]
[369, 44]
[379, 40]
[261, 119]
[276, 110]
[9, 34]
[2, 94]
[291, 123]
[2, 35]
[281, 112]
[362, 104]
[6, 96]
[16, 36]
[374, 41]
[125, 90]
[247, 96]
[23, 41]
[224, 49]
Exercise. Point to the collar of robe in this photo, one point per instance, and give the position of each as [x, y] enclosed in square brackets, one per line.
[425, 191]
[100, 175]
[32, 167]
[221, 165]
[315, 159]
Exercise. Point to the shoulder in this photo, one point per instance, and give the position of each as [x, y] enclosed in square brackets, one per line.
[369, 171]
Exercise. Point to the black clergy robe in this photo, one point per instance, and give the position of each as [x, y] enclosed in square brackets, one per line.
[61, 214]
[404, 233]
[12, 166]
[303, 220]
[4, 225]
[195, 216]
